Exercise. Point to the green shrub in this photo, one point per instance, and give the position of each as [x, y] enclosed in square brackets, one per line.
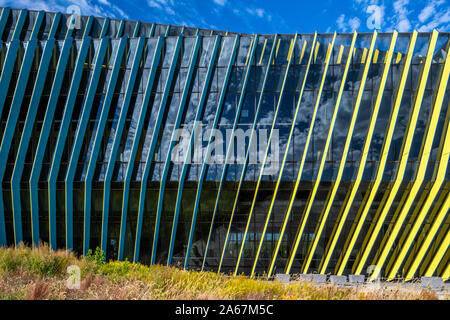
[98, 256]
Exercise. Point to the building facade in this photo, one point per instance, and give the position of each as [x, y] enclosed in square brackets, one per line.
[255, 154]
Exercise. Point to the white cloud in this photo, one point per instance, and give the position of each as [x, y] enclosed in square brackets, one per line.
[426, 13]
[220, 2]
[36, 5]
[439, 19]
[99, 8]
[439, 16]
[351, 24]
[401, 15]
[341, 22]
[154, 4]
[165, 5]
[170, 11]
[160, 4]
[354, 23]
[367, 2]
[258, 12]
[121, 12]
[404, 25]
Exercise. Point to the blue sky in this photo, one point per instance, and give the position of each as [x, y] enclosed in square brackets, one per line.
[267, 16]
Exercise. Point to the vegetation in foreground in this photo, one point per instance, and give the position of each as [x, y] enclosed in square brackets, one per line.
[27, 273]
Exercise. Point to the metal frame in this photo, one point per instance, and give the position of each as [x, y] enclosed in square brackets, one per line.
[326, 149]
[331, 195]
[13, 113]
[420, 177]
[154, 139]
[300, 172]
[432, 219]
[8, 67]
[432, 234]
[10, 127]
[438, 238]
[137, 27]
[349, 243]
[37, 25]
[98, 139]
[117, 137]
[349, 200]
[206, 85]
[443, 247]
[105, 28]
[88, 26]
[362, 165]
[55, 25]
[384, 151]
[48, 120]
[407, 226]
[407, 142]
[117, 61]
[19, 24]
[180, 113]
[63, 132]
[252, 51]
[3, 19]
[28, 128]
[252, 208]
[431, 216]
[47, 124]
[133, 151]
[446, 274]
[80, 136]
[152, 30]
[120, 29]
[314, 51]
[31, 113]
[208, 150]
[368, 199]
[145, 100]
[263, 234]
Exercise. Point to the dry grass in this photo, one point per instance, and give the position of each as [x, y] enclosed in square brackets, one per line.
[41, 274]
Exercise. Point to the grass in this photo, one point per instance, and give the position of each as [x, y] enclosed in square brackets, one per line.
[40, 273]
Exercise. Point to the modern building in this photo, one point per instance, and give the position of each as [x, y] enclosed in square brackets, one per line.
[281, 153]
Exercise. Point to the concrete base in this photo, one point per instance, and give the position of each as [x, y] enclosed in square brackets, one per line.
[282, 277]
[432, 282]
[338, 280]
[319, 278]
[310, 277]
[356, 278]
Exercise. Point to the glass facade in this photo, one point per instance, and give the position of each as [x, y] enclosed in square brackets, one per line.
[255, 154]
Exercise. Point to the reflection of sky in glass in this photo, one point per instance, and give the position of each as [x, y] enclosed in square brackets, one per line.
[269, 101]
